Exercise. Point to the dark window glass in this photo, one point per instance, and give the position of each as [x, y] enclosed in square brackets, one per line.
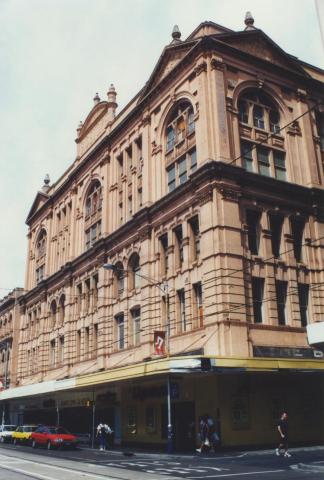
[257, 296]
[258, 120]
[263, 161]
[297, 231]
[246, 149]
[281, 293]
[276, 222]
[279, 165]
[243, 111]
[253, 224]
[303, 294]
[171, 178]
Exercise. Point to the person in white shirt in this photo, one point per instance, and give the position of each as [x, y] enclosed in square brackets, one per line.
[102, 431]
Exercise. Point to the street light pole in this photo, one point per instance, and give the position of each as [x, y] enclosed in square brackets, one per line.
[165, 291]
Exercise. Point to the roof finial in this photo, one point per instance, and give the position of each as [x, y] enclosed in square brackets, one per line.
[96, 99]
[176, 34]
[46, 187]
[249, 21]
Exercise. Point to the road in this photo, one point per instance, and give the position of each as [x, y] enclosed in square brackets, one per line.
[22, 463]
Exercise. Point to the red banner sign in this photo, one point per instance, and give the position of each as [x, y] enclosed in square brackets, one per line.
[159, 343]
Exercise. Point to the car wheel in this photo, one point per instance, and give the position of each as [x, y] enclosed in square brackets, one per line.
[34, 445]
[49, 445]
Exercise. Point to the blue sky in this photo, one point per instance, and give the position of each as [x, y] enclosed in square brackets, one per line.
[56, 54]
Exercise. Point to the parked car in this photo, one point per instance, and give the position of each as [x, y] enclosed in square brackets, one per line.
[53, 437]
[22, 434]
[6, 432]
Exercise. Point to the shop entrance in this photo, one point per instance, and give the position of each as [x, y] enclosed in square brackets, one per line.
[183, 422]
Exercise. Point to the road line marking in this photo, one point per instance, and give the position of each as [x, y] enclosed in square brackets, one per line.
[236, 474]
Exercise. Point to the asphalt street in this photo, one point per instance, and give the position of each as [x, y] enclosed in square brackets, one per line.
[20, 463]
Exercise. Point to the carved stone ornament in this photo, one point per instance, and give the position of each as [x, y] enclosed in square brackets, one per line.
[294, 128]
[301, 95]
[200, 68]
[217, 63]
[146, 118]
[229, 193]
[204, 195]
[231, 83]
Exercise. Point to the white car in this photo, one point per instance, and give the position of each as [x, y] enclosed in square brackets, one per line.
[6, 432]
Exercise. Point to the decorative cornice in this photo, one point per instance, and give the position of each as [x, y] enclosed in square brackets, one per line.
[200, 68]
[217, 63]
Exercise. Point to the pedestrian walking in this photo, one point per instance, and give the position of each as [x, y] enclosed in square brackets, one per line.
[213, 436]
[203, 434]
[103, 430]
[282, 427]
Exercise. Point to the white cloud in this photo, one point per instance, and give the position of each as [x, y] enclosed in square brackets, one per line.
[57, 54]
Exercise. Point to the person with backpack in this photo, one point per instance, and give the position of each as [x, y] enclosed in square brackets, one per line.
[102, 431]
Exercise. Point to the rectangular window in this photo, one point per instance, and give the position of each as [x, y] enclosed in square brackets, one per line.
[191, 122]
[52, 353]
[87, 295]
[279, 165]
[297, 231]
[179, 246]
[254, 233]
[182, 310]
[263, 161]
[121, 217]
[258, 120]
[171, 178]
[78, 344]
[182, 166]
[120, 165]
[150, 419]
[170, 133]
[164, 254]
[79, 299]
[246, 149]
[61, 353]
[120, 331]
[303, 294]
[195, 238]
[193, 160]
[129, 154]
[140, 197]
[281, 293]
[95, 339]
[136, 316]
[257, 298]
[95, 281]
[275, 223]
[198, 305]
[86, 341]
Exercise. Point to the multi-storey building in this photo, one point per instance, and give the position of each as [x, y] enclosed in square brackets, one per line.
[205, 196]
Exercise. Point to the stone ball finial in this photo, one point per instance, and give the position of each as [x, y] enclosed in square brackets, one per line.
[176, 34]
[249, 21]
[96, 98]
[47, 179]
[112, 88]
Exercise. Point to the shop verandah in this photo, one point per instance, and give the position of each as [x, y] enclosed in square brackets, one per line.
[244, 397]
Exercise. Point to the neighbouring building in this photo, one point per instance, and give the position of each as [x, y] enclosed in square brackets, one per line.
[205, 196]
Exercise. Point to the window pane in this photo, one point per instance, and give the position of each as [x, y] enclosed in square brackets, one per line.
[191, 122]
[274, 120]
[170, 137]
[258, 117]
[193, 160]
[171, 179]
[243, 111]
[279, 165]
[281, 293]
[263, 161]
[257, 296]
[303, 293]
[182, 165]
[246, 149]
[253, 225]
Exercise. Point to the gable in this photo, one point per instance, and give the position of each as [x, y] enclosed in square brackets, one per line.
[258, 44]
[39, 201]
[208, 28]
[171, 56]
[94, 126]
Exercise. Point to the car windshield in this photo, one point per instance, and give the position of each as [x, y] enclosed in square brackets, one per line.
[30, 429]
[9, 428]
[57, 430]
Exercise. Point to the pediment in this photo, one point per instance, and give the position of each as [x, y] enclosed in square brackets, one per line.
[38, 202]
[258, 44]
[171, 56]
[93, 118]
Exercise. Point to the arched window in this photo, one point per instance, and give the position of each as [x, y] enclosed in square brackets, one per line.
[258, 115]
[41, 255]
[93, 214]
[62, 309]
[119, 279]
[134, 272]
[180, 145]
[41, 244]
[53, 311]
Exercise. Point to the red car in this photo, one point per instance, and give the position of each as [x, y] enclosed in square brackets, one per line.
[53, 437]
